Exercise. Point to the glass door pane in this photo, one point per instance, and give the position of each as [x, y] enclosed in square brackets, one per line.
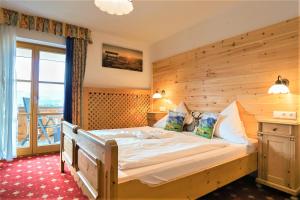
[23, 73]
[51, 97]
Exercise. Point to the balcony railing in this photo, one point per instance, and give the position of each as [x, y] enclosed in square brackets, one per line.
[47, 130]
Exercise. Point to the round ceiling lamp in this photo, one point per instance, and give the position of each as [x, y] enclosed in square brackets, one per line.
[115, 7]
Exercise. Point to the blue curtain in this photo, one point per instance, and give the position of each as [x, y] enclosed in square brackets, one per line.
[8, 102]
[68, 80]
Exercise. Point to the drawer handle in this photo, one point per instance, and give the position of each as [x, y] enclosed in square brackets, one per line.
[259, 134]
[274, 129]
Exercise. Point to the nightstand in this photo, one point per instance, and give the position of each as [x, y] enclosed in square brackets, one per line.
[153, 117]
[279, 155]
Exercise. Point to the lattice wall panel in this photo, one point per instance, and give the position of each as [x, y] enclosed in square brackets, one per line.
[115, 108]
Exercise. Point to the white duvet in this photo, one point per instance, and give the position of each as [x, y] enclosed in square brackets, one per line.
[145, 146]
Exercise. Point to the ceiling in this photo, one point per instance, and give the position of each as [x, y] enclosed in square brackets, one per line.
[150, 21]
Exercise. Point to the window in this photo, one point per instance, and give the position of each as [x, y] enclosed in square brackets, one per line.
[51, 80]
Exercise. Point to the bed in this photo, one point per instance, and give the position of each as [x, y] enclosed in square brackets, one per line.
[195, 170]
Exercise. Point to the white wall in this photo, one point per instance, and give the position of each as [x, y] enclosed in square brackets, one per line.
[244, 17]
[98, 76]
[95, 74]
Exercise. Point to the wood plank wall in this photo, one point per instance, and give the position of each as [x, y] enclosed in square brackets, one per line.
[239, 68]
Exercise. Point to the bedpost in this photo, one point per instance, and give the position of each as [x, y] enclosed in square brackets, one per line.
[75, 156]
[67, 144]
[111, 169]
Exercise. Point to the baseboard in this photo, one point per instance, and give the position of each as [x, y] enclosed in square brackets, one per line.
[293, 192]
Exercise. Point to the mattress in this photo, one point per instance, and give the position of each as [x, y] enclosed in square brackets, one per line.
[169, 171]
[145, 146]
[157, 174]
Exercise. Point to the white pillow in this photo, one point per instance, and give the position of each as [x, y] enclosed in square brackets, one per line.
[162, 122]
[230, 127]
[180, 108]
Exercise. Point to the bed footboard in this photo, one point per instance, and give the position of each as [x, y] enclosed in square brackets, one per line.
[67, 145]
[95, 162]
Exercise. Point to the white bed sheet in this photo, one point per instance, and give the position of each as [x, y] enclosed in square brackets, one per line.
[158, 174]
[169, 171]
[146, 146]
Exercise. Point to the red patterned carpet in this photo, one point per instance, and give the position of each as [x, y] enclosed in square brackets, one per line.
[37, 177]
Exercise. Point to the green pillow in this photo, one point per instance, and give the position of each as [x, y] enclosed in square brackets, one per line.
[175, 121]
[206, 125]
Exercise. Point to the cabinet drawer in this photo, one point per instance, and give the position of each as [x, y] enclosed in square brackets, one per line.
[280, 129]
[151, 122]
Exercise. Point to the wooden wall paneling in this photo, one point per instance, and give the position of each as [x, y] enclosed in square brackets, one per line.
[239, 68]
[299, 72]
[115, 108]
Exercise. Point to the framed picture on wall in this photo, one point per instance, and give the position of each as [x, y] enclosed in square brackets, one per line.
[122, 58]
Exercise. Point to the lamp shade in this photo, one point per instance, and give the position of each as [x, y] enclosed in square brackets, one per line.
[115, 7]
[280, 87]
[156, 95]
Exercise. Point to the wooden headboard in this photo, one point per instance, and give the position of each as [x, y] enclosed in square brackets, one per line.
[240, 68]
[115, 108]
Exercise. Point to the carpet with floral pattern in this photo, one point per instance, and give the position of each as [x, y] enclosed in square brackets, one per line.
[39, 177]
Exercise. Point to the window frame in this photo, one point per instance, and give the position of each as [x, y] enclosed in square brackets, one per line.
[33, 142]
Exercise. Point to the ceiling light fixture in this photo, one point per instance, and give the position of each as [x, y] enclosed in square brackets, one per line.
[280, 86]
[115, 7]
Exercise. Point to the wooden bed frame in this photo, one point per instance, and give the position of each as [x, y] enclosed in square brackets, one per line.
[94, 164]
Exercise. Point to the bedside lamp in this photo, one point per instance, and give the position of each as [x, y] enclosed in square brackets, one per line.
[280, 86]
[158, 95]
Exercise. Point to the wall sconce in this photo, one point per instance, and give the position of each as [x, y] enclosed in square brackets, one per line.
[280, 86]
[159, 95]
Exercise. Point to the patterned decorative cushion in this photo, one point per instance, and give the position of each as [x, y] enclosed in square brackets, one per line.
[175, 121]
[206, 125]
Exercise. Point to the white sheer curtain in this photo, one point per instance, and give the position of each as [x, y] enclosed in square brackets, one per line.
[8, 103]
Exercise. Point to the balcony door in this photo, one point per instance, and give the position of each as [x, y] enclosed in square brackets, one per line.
[40, 74]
